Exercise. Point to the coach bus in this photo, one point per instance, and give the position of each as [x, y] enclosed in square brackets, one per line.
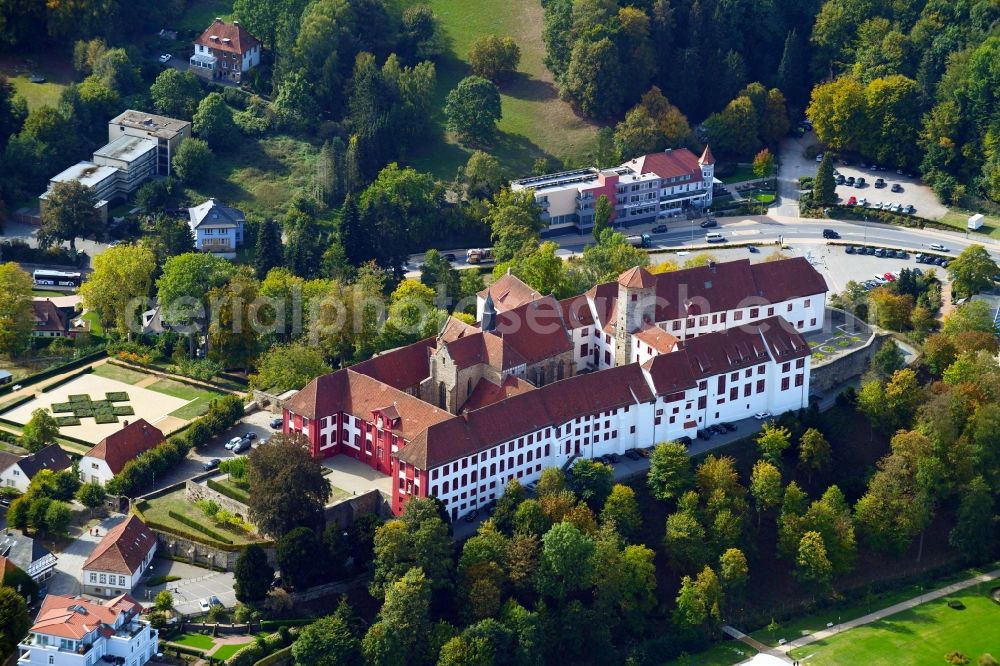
[56, 278]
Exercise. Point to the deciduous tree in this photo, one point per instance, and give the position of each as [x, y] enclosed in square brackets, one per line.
[16, 322]
[299, 556]
[563, 566]
[972, 271]
[285, 367]
[40, 430]
[814, 451]
[192, 160]
[772, 442]
[69, 212]
[252, 575]
[473, 110]
[765, 486]
[287, 487]
[176, 93]
[622, 510]
[328, 641]
[118, 287]
[493, 57]
[812, 564]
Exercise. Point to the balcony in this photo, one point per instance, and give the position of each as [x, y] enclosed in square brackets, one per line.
[82, 649]
[680, 196]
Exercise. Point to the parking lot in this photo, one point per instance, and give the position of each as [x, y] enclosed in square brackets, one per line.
[914, 193]
[196, 583]
[258, 422]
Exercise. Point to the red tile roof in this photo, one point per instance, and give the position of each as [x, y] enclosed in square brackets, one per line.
[535, 330]
[637, 278]
[454, 329]
[551, 405]
[120, 447]
[577, 312]
[240, 41]
[75, 617]
[486, 392]
[48, 317]
[123, 548]
[403, 368]
[668, 164]
[509, 292]
[706, 156]
[657, 338]
[360, 395]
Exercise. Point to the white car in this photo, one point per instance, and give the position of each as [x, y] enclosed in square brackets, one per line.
[819, 158]
[878, 278]
[203, 605]
[165, 58]
[760, 416]
[233, 443]
[938, 247]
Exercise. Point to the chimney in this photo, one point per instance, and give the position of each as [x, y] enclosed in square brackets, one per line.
[711, 266]
[126, 423]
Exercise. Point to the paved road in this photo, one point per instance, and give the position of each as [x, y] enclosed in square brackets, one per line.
[891, 610]
[69, 562]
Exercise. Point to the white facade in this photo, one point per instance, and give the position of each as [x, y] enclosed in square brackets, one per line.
[473, 481]
[132, 640]
[109, 584]
[805, 314]
[94, 470]
[14, 477]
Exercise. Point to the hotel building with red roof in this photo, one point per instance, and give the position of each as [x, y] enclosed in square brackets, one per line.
[658, 185]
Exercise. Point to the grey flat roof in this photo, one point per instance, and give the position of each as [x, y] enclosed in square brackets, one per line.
[86, 172]
[126, 148]
[159, 126]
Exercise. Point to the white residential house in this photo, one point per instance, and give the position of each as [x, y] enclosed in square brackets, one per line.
[117, 563]
[225, 51]
[216, 228]
[72, 631]
[18, 471]
[110, 454]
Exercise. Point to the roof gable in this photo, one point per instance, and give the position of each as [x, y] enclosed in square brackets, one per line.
[123, 548]
[239, 40]
[118, 448]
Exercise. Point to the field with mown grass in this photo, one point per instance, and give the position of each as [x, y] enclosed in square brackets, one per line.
[260, 175]
[922, 635]
[960, 220]
[535, 123]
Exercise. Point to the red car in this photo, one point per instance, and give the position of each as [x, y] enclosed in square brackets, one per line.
[890, 277]
[853, 201]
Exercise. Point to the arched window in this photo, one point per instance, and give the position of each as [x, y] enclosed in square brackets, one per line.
[442, 395]
[444, 488]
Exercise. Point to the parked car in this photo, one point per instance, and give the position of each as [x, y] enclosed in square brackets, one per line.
[896, 208]
[870, 251]
[938, 247]
[719, 429]
[752, 249]
[250, 436]
[830, 233]
[942, 262]
[880, 252]
[860, 182]
[632, 455]
[852, 201]
[165, 58]
[862, 201]
[730, 427]
[231, 444]
[471, 516]
[705, 435]
[612, 457]
[850, 180]
[659, 229]
[449, 257]
[840, 179]
[877, 206]
[277, 422]
[889, 277]
[879, 183]
[920, 257]
[244, 445]
[909, 210]
[819, 157]
[645, 453]
[881, 280]
[896, 187]
[685, 440]
[709, 223]
[211, 464]
[760, 416]
[203, 605]
[214, 601]
[849, 249]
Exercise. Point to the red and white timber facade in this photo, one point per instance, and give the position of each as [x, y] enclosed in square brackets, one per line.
[537, 382]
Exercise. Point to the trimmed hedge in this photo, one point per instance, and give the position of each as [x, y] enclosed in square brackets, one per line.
[62, 421]
[68, 378]
[116, 396]
[190, 536]
[16, 402]
[254, 652]
[57, 370]
[242, 498]
[184, 649]
[277, 624]
[282, 656]
[194, 524]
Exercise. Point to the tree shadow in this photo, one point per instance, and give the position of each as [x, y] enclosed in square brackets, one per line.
[528, 88]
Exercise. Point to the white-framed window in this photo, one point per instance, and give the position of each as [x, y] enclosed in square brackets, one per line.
[93, 578]
[103, 579]
[121, 581]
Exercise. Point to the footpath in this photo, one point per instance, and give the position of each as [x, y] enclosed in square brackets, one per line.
[781, 652]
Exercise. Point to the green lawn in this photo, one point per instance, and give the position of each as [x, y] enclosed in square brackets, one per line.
[157, 510]
[261, 175]
[226, 651]
[721, 654]
[803, 626]
[47, 292]
[37, 94]
[199, 14]
[922, 635]
[116, 372]
[764, 198]
[95, 324]
[199, 397]
[535, 121]
[196, 641]
[960, 219]
[740, 173]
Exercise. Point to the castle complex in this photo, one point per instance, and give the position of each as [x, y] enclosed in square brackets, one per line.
[538, 382]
